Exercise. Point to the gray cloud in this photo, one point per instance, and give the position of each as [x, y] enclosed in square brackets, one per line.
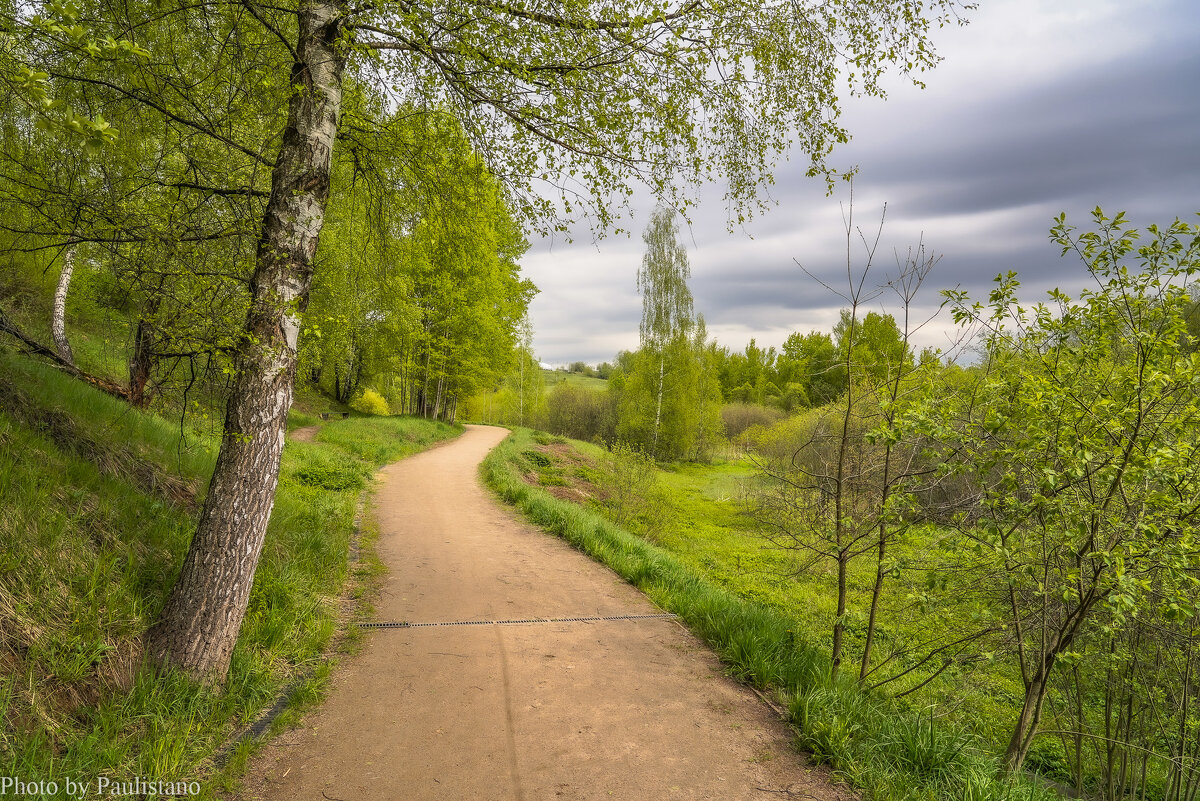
[1095, 106]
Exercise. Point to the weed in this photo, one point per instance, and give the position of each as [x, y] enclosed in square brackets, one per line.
[332, 472]
[536, 458]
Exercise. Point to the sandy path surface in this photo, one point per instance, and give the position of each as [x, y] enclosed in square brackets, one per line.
[634, 709]
[306, 434]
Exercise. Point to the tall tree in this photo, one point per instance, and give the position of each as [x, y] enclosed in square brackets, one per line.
[666, 303]
[529, 385]
[1081, 445]
[203, 615]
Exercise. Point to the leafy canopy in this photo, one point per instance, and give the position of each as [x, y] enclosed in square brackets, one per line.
[595, 96]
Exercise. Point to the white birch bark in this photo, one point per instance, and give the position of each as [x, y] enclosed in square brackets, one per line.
[199, 627]
[58, 323]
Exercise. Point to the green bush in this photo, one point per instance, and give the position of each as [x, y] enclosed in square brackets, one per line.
[370, 402]
[579, 412]
[737, 417]
[628, 483]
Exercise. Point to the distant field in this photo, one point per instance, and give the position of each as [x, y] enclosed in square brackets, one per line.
[554, 377]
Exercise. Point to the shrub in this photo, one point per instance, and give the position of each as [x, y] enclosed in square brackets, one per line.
[628, 483]
[738, 417]
[370, 402]
[579, 413]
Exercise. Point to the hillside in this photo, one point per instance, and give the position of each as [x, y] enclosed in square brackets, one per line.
[555, 377]
[98, 502]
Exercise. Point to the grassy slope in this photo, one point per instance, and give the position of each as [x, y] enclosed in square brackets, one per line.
[97, 505]
[713, 536]
[760, 630]
[553, 377]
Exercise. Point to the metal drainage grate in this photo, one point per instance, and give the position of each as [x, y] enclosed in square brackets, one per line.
[405, 625]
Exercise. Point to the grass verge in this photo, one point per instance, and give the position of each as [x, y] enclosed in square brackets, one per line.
[98, 503]
[889, 752]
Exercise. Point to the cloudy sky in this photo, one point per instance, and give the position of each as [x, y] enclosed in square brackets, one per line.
[1040, 107]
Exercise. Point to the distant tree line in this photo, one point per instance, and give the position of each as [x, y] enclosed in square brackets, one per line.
[602, 370]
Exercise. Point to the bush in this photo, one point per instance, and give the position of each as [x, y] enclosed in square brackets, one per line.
[628, 483]
[738, 417]
[579, 413]
[370, 402]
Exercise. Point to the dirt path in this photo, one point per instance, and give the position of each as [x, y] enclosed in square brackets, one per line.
[305, 434]
[636, 710]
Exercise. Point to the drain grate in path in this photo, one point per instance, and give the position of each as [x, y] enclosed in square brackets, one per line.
[597, 619]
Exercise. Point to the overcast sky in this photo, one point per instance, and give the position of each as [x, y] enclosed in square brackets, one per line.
[1040, 107]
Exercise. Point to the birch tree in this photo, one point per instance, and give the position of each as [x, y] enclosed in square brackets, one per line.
[666, 304]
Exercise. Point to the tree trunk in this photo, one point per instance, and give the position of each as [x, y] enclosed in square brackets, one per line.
[58, 323]
[200, 624]
[662, 364]
[1027, 722]
[880, 558]
[425, 387]
[140, 364]
[38, 349]
[141, 361]
[839, 623]
[876, 594]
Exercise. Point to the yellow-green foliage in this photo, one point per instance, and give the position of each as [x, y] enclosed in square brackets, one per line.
[370, 402]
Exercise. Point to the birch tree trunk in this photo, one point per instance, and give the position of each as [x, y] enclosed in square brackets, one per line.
[662, 365]
[58, 323]
[199, 626]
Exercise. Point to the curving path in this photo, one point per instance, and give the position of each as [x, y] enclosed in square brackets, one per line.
[636, 710]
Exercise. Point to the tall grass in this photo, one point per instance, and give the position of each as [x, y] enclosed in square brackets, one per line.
[884, 749]
[98, 503]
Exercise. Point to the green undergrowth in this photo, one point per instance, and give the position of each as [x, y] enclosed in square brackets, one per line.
[309, 404]
[887, 750]
[712, 532]
[98, 502]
